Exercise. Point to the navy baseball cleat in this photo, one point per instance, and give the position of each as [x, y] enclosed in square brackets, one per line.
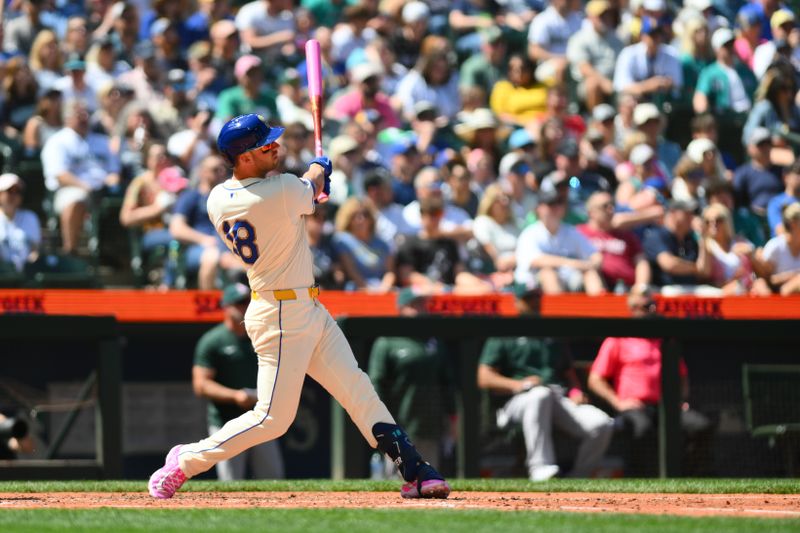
[166, 481]
[422, 480]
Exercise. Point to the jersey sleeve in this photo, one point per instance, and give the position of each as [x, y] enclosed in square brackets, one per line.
[607, 361]
[204, 352]
[492, 354]
[298, 195]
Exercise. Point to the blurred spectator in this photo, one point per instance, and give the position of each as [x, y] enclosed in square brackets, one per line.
[346, 156]
[19, 96]
[327, 271]
[365, 258]
[734, 263]
[224, 374]
[782, 23]
[267, 29]
[206, 252]
[224, 51]
[519, 98]
[459, 188]
[390, 222]
[147, 77]
[701, 163]
[553, 255]
[433, 79]
[407, 38]
[415, 377]
[46, 61]
[592, 54]
[496, 228]
[164, 36]
[757, 181]
[548, 36]
[649, 120]
[558, 108]
[650, 68]
[782, 254]
[484, 70]
[429, 262]
[545, 394]
[364, 96]
[73, 85]
[76, 164]
[20, 32]
[775, 108]
[745, 222]
[454, 221]
[296, 144]
[134, 128]
[645, 184]
[725, 87]
[251, 95]
[790, 195]
[380, 52]
[20, 229]
[43, 124]
[76, 39]
[480, 130]
[102, 65]
[696, 54]
[680, 263]
[623, 258]
[192, 144]
[292, 100]
[517, 180]
[352, 32]
[148, 201]
[627, 375]
[748, 24]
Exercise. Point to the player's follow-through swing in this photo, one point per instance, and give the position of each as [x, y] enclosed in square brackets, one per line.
[261, 220]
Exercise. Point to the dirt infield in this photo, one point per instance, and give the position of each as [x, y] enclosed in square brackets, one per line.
[754, 505]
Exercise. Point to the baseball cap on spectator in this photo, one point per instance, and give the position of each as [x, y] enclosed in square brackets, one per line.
[415, 11]
[595, 8]
[200, 50]
[603, 112]
[172, 179]
[593, 134]
[492, 34]
[74, 62]
[177, 79]
[245, 64]
[721, 37]
[144, 50]
[758, 136]
[781, 17]
[641, 154]
[698, 147]
[548, 189]
[508, 162]
[9, 180]
[364, 71]
[654, 5]
[234, 294]
[650, 26]
[699, 5]
[749, 15]
[223, 29]
[644, 113]
[568, 148]
[519, 139]
[425, 110]
[341, 145]
[682, 205]
[159, 27]
[790, 212]
[481, 118]
[402, 146]
[375, 177]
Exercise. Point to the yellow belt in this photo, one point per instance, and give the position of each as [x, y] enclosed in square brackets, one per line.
[288, 294]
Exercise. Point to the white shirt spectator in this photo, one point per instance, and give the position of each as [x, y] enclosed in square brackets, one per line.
[551, 31]
[777, 252]
[536, 240]
[600, 51]
[178, 142]
[633, 66]
[88, 159]
[453, 217]
[413, 88]
[19, 236]
[391, 223]
[254, 16]
[344, 41]
[503, 238]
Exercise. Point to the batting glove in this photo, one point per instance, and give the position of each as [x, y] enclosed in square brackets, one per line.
[325, 163]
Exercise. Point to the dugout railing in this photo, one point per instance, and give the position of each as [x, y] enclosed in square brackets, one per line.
[467, 332]
[102, 334]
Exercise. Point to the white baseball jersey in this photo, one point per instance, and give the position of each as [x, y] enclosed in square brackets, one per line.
[260, 221]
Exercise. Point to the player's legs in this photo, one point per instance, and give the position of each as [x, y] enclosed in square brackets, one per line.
[231, 469]
[591, 426]
[534, 411]
[334, 366]
[283, 335]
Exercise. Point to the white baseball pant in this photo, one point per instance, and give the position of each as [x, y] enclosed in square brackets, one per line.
[292, 337]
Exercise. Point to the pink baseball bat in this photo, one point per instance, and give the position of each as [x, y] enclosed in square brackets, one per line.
[314, 72]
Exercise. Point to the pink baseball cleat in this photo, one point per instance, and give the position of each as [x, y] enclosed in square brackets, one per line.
[166, 481]
[429, 484]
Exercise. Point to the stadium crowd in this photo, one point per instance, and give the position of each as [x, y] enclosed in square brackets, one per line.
[477, 145]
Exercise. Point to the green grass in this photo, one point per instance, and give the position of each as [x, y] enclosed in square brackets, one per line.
[688, 486]
[374, 521]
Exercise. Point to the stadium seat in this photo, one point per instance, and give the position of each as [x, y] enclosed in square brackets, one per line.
[61, 272]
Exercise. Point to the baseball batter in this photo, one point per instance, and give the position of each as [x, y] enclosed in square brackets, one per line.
[261, 219]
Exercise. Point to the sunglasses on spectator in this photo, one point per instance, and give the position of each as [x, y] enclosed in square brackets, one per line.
[716, 220]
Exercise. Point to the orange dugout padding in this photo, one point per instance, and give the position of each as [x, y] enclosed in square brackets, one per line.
[203, 306]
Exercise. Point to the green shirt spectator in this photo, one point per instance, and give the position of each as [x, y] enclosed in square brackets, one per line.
[250, 95]
[326, 12]
[521, 357]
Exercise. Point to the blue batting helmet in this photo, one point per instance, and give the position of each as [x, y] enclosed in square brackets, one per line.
[244, 133]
